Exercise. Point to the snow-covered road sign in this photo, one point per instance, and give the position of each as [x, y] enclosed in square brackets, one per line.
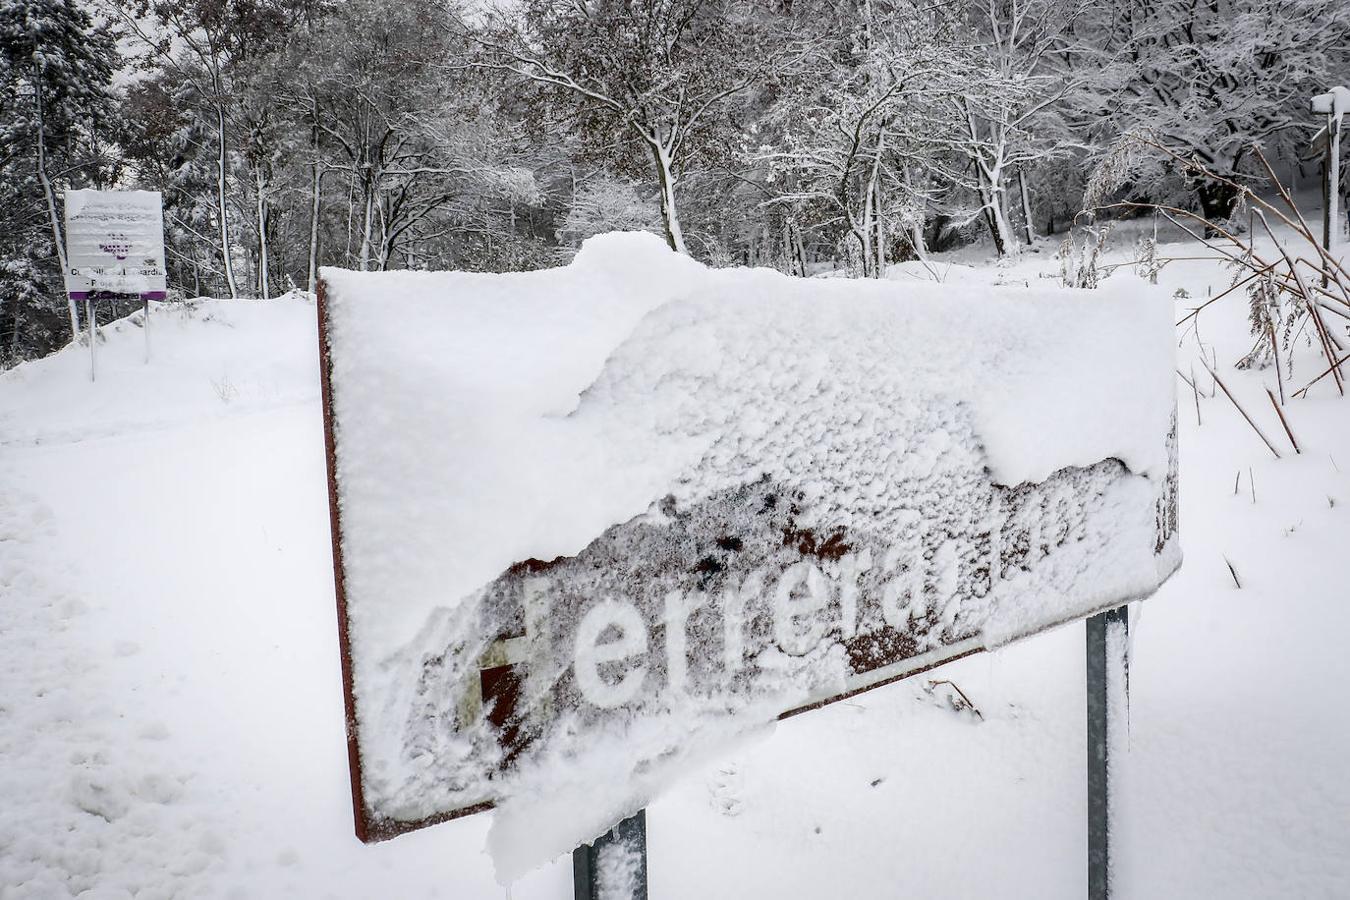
[592, 523]
[115, 244]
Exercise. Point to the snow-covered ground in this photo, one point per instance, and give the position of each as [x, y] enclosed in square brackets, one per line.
[171, 713]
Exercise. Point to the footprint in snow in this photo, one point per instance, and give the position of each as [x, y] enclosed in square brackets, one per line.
[727, 789]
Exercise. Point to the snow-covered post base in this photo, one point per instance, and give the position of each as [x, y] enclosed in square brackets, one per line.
[1107, 700]
[614, 865]
[93, 352]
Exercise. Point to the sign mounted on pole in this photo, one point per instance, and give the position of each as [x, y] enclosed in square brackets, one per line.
[114, 251]
[594, 522]
[115, 244]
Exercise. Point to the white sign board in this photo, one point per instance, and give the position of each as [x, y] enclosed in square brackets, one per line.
[114, 244]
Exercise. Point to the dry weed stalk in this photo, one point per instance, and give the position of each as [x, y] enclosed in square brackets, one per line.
[1289, 294]
[1283, 421]
[1238, 406]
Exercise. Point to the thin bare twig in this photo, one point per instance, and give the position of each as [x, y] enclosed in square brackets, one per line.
[1283, 421]
[1238, 407]
[1309, 303]
[1275, 354]
[1258, 273]
[952, 684]
[1340, 362]
[1195, 390]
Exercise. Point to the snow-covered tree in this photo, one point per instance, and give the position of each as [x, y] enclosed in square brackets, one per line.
[651, 75]
[860, 137]
[605, 202]
[1009, 106]
[1207, 80]
[286, 134]
[56, 65]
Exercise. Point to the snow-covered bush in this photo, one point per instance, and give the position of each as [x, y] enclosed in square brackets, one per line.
[604, 204]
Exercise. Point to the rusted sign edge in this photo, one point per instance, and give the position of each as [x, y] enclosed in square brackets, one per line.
[363, 831]
[893, 672]
[369, 828]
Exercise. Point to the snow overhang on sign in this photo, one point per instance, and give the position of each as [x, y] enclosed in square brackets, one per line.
[595, 522]
[115, 244]
[1334, 102]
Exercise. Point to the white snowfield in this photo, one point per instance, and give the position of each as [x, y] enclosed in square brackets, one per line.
[171, 719]
[531, 412]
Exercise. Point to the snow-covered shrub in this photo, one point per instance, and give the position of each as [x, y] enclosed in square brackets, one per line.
[1295, 287]
[606, 204]
[1079, 263]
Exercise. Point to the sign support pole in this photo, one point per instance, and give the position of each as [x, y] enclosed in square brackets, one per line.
[1326, 190]
[93, 354]
[1330, 187]
[620, 850]
[1107, 703]
[1333, 213]
[145, 323]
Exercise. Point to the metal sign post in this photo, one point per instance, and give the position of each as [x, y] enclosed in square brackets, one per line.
[1107, 690]
[614, 866]
[89, 324]
[1333, 105]
[1333, 180]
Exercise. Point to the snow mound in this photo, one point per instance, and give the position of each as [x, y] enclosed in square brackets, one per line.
[202, 359]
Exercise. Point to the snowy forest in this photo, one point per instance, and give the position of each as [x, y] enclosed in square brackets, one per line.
[797, 134]
[627, 449]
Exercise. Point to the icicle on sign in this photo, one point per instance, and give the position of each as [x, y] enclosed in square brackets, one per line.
[114, 244]
[591, 521]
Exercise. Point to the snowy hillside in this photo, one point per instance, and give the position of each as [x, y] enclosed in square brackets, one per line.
[171, 719]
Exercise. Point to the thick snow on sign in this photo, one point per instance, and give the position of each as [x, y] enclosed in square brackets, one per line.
[597, 522]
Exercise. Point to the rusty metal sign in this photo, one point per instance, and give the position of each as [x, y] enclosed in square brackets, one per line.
[748, 597]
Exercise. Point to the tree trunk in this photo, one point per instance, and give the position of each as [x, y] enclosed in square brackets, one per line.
[57, 238]
[670, 216]
[995, 231]
[367, 223]
[863, 233]
[351, 217]
[311, 281]
[1026, 207]
[792, 248]
[879, 227]
[264, 274]
[800, 249]
[998, 213]
[222, 203]
[916, 241]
